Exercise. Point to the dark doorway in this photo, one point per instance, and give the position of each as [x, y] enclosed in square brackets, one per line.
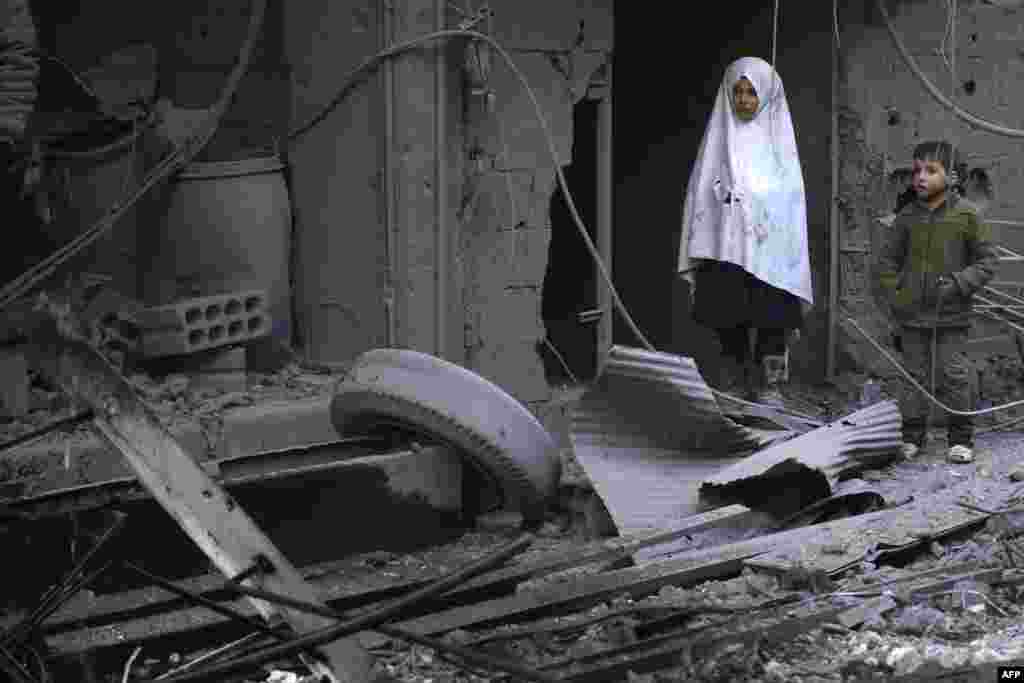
[570, 286]
[665, 80]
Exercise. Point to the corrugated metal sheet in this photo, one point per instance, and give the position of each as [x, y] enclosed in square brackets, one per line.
[649, 432]
[870, 435]
[668, 397]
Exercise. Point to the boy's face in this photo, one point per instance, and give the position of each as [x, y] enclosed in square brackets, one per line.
[744, 100]
[929, 179]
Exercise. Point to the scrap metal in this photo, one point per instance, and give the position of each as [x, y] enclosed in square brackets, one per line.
[867, 437]
[649, 431]
[214, 521]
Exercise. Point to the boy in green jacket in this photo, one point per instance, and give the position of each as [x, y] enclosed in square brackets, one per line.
[937, 255]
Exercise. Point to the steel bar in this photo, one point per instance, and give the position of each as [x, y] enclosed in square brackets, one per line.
[13, 668]
[365, 622]
[62, 592]
[212, 605]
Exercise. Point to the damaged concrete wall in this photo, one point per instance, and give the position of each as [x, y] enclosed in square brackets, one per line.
[885, 112]
[509, 180]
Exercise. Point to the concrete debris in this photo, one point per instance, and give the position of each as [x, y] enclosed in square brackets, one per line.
[917, 620]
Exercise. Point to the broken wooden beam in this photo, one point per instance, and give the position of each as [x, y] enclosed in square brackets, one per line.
[220, 527]
[141, 617]
[786, 477]
[683, 570]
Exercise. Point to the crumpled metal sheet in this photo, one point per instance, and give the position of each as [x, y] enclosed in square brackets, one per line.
[867, 436]
[648, 432]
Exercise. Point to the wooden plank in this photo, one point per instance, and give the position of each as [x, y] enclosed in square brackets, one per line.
[693, 567]
[219, 526]
[140, 619]
[683, 570]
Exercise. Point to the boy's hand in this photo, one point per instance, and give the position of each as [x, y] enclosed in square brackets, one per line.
[948, 290]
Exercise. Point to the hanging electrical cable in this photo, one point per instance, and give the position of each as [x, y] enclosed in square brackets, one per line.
[175, 160]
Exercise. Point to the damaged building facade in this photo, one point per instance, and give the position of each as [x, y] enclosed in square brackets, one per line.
[422, 209]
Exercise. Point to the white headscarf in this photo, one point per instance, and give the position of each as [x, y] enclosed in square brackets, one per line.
[756, 163]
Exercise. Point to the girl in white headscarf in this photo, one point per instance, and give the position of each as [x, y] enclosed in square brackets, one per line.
[744, 242]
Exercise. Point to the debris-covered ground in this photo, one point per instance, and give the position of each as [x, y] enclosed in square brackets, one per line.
[895, 632]
[883, 629]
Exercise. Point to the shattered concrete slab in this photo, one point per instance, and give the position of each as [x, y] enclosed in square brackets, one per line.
[788, 476]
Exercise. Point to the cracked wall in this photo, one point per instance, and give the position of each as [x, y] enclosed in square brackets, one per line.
[509, 179]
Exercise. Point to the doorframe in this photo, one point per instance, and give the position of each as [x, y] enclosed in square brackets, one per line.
[601, 89]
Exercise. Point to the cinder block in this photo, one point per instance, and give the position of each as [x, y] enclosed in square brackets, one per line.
[14, 394]
[276, 426]
[202, 311]
[204, 323]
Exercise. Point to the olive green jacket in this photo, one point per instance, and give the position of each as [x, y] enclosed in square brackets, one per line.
[923, 245]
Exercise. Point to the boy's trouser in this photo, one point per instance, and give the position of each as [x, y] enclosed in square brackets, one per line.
[954, 383]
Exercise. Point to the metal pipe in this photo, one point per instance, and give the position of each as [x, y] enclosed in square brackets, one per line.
[212, 605]
[440, 185]
[833, 227]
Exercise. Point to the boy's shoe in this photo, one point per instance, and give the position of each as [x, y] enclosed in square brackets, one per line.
[909, 450]
[960, 455]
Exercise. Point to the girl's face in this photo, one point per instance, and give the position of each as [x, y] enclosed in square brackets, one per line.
[744, 100]
[929, 179]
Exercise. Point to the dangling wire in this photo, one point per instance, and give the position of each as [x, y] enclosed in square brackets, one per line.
[835, 21]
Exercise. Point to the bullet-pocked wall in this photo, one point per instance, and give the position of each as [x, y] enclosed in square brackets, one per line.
[975, 59]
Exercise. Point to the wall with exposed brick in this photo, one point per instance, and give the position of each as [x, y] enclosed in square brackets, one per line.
[508, 185]
[500, 182]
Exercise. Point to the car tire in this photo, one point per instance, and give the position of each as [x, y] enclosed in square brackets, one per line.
[422, 394]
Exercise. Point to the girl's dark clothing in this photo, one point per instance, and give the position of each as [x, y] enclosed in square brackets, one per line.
[728, 296]
[736, 343]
